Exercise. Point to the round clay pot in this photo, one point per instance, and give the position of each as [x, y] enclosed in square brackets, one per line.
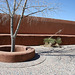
[20, 54]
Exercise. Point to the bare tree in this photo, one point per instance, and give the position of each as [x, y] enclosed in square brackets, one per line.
[24, 8]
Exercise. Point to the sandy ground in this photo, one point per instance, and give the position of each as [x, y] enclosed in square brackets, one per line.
[48, 61]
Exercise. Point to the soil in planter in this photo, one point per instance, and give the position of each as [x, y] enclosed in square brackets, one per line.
[8, 49]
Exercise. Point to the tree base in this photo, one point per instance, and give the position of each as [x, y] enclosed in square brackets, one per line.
[20, 54]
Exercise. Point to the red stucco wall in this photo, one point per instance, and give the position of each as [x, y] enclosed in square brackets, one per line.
[33, 25]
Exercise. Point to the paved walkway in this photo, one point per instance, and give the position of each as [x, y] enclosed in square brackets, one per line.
[48, 61]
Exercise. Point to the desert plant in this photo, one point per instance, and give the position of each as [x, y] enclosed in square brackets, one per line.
[58, 41]
[46, 41]
[51, 41]
[21, 7]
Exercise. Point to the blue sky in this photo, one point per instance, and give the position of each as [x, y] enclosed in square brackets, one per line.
[67, 10]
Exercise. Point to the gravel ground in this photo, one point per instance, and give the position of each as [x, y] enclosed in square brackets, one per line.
[52, 61]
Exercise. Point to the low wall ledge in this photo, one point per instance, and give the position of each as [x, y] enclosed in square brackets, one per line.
[63, 35]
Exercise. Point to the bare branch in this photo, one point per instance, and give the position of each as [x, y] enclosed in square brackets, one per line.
[4, 8]
[3, 11]
[40, 11]
[36, 12]
[8, 7]
[59, 31]
[20, 19]
[18, 5]
[36, 6]
[14, 7]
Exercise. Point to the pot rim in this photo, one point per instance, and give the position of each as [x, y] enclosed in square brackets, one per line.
[12, 53]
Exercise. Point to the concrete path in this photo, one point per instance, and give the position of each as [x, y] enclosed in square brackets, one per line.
[48, 61]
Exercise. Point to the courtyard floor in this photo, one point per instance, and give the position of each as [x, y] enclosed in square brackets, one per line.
[47, 61]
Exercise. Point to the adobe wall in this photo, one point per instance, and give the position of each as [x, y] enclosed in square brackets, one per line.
[33, 25]
[33, 40]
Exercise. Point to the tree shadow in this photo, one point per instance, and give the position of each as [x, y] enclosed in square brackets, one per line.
[56, 53]
[62, 55]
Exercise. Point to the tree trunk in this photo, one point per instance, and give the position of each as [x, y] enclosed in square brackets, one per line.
[12, 44]
[12, 37]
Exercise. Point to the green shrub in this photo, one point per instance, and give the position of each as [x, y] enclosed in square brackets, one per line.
[51, 40]
[46, 40]
[58, 40]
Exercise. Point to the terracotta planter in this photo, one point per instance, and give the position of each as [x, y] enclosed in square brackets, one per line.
[21, 53]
